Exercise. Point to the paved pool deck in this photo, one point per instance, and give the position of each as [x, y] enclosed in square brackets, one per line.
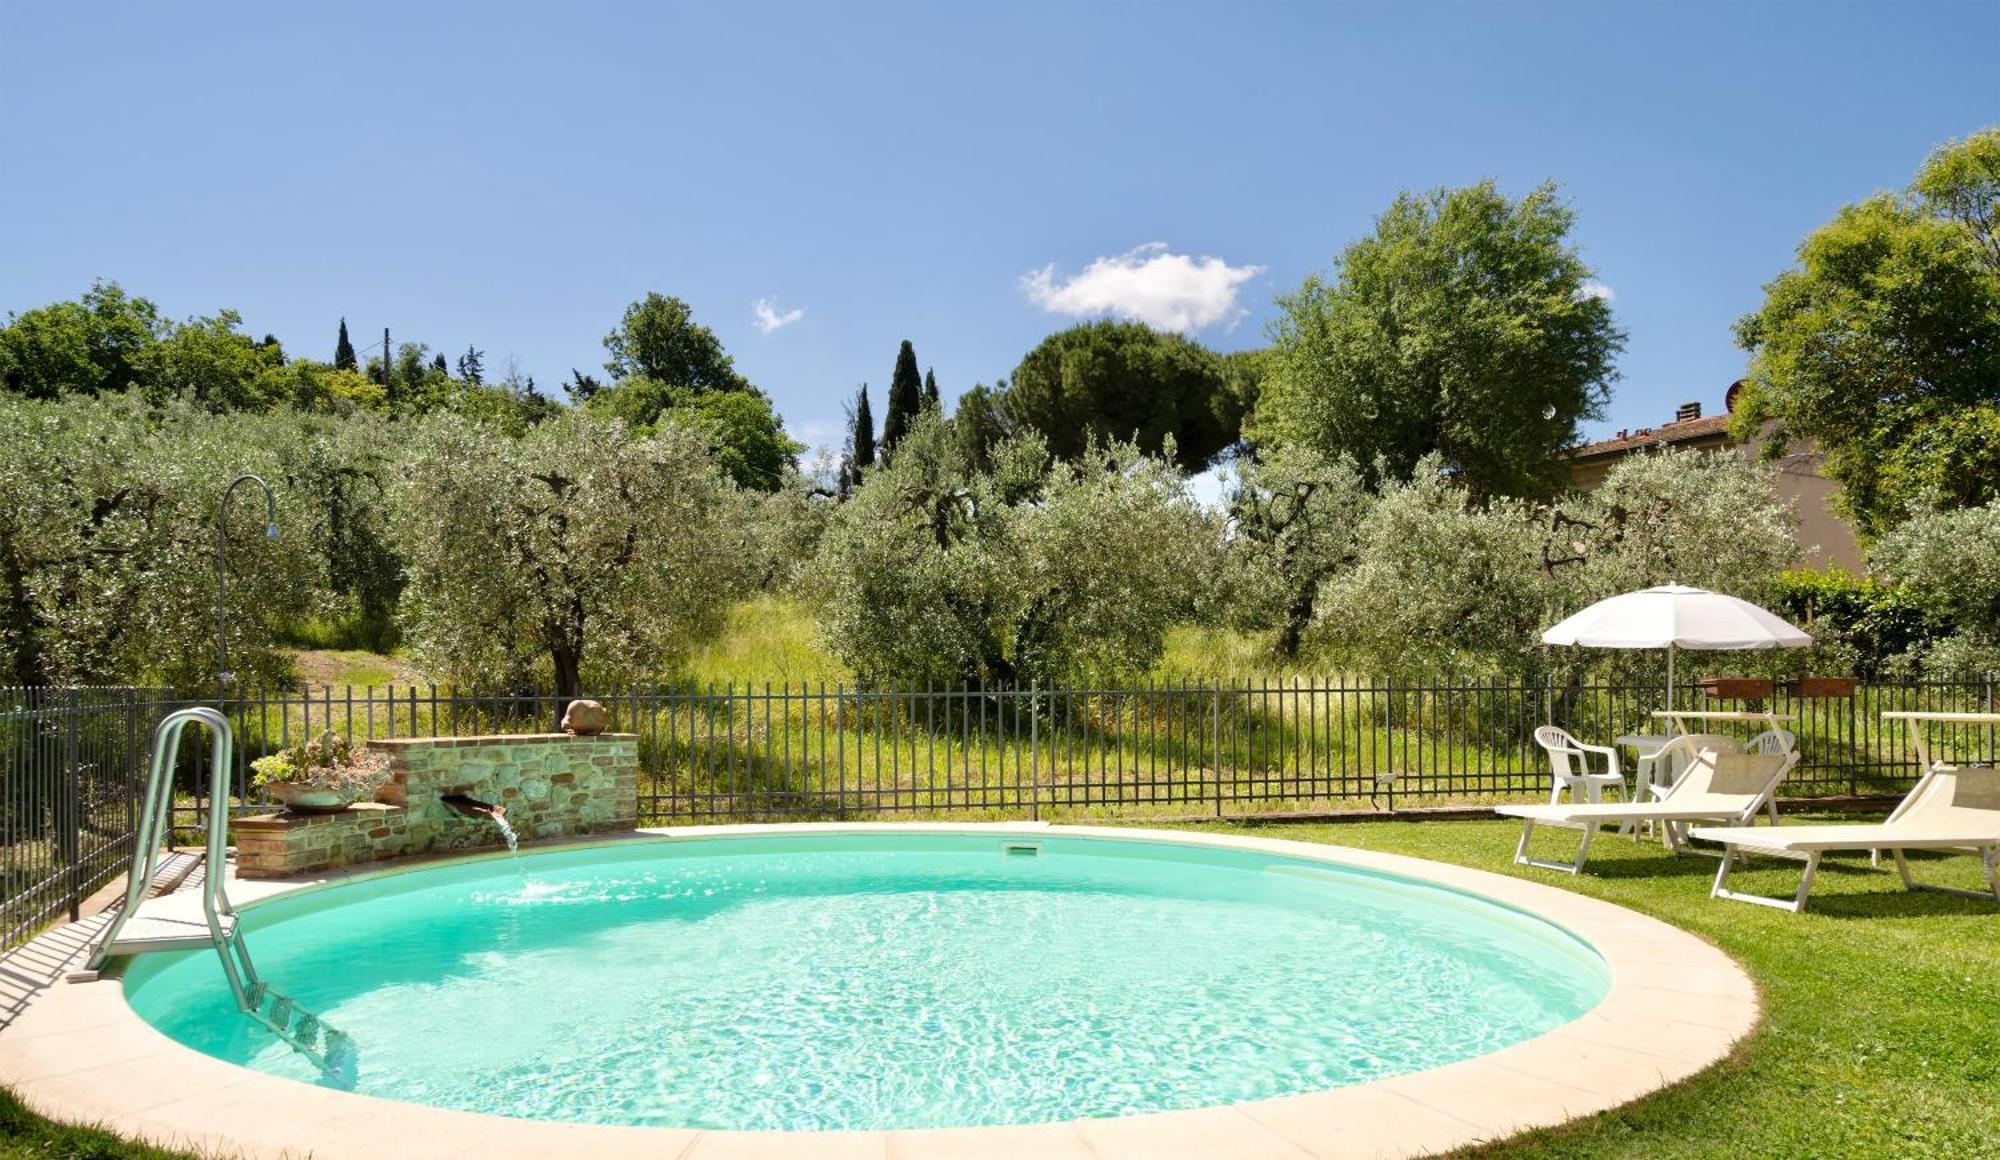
[77, 1052]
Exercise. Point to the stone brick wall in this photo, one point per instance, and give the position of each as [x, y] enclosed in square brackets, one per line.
[551, 785]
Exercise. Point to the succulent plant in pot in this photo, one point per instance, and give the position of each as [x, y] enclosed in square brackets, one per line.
[322, 775]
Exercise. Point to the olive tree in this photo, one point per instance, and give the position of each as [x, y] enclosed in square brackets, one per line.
[1946, 560]
[578, 552]
[1712, 519]
[1295, 517]
[107, 543]
[1443, 581]
[936, 571]
[1439, 584]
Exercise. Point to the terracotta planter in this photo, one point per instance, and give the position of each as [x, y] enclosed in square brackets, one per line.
[1736, 688]
[301, 798]
[1821, 686]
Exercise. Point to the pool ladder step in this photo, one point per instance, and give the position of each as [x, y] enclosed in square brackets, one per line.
[326, 1046]
[131, 933]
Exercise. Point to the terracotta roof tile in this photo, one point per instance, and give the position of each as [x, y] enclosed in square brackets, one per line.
[1669, 433]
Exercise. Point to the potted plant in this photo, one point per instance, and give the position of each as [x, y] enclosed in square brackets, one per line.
[321, 776]
[1737, 688]
[1821, 686]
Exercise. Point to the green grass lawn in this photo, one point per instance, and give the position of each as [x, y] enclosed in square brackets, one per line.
[27, 1136]
[1881, 1033]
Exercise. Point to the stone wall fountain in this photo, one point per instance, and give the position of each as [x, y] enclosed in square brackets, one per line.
[442, 795]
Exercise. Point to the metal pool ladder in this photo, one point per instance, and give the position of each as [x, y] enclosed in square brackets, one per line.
[138, 928]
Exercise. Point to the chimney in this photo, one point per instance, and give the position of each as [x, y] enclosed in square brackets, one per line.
[1687, 412]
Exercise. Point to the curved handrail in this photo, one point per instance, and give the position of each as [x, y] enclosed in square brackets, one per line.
[153, 821]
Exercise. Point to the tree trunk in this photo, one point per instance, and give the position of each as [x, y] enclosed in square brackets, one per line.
[569, 679]
[1297, 617]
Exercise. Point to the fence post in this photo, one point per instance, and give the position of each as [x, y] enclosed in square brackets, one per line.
[1215, 742]
[1034, 751]
[1853, 761]
[132, 766]
[69, 822]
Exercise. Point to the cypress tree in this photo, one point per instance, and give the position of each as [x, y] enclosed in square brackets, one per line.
[439, 365]
[930, 388]
[864, 431]
[343, 350]
[906, 397]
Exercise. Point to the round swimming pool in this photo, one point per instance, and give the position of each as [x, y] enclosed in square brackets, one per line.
[882, 980]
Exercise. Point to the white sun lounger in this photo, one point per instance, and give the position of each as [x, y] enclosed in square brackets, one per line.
[1950, 809]
[1718, 785]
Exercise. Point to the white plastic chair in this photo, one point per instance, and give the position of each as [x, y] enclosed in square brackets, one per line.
[1773, 743]
[1569, 767]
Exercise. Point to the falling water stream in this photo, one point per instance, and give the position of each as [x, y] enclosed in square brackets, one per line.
[507, 831]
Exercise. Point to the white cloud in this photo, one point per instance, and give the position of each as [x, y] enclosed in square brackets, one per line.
[768, 318]
[1594, 289]
[1146, 284]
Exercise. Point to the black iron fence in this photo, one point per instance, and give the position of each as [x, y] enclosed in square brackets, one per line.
[769, 751]
[69, 797]
[75, 758]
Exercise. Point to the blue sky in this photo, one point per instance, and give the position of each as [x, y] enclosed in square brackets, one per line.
[511, 175]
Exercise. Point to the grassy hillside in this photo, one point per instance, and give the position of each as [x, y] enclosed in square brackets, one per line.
[773, 639]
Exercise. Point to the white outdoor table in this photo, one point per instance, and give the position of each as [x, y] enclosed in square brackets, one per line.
[1648, 745]
[1677, 719]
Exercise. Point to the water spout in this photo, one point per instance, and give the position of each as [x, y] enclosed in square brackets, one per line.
[472, 807]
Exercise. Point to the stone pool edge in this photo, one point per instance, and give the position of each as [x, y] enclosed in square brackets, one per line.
[1676, 1005]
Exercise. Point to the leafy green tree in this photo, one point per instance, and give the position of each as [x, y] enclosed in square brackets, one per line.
[658, 339]
[936, 571]
[861, 442]
[319, 388]
[439, 364]
[210, 362]
[740, 428]
[417, 376]
[979, 422]
[579, 553]
[343, 351]
[1464, 326]
[1123, 380]
[1883, 344]
[906, 398]
[95, 344]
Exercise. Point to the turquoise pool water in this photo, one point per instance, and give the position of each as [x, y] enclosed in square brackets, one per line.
[882, 981]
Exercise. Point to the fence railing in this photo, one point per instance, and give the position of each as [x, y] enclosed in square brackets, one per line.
[1181, 749]
[75, 758]
[69, 798]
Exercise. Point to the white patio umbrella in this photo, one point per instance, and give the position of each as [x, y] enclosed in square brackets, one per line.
[1674, 616]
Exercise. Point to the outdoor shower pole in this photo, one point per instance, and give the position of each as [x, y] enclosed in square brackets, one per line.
[223, 676]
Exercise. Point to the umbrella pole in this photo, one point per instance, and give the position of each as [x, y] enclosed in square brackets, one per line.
[1670, 684]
